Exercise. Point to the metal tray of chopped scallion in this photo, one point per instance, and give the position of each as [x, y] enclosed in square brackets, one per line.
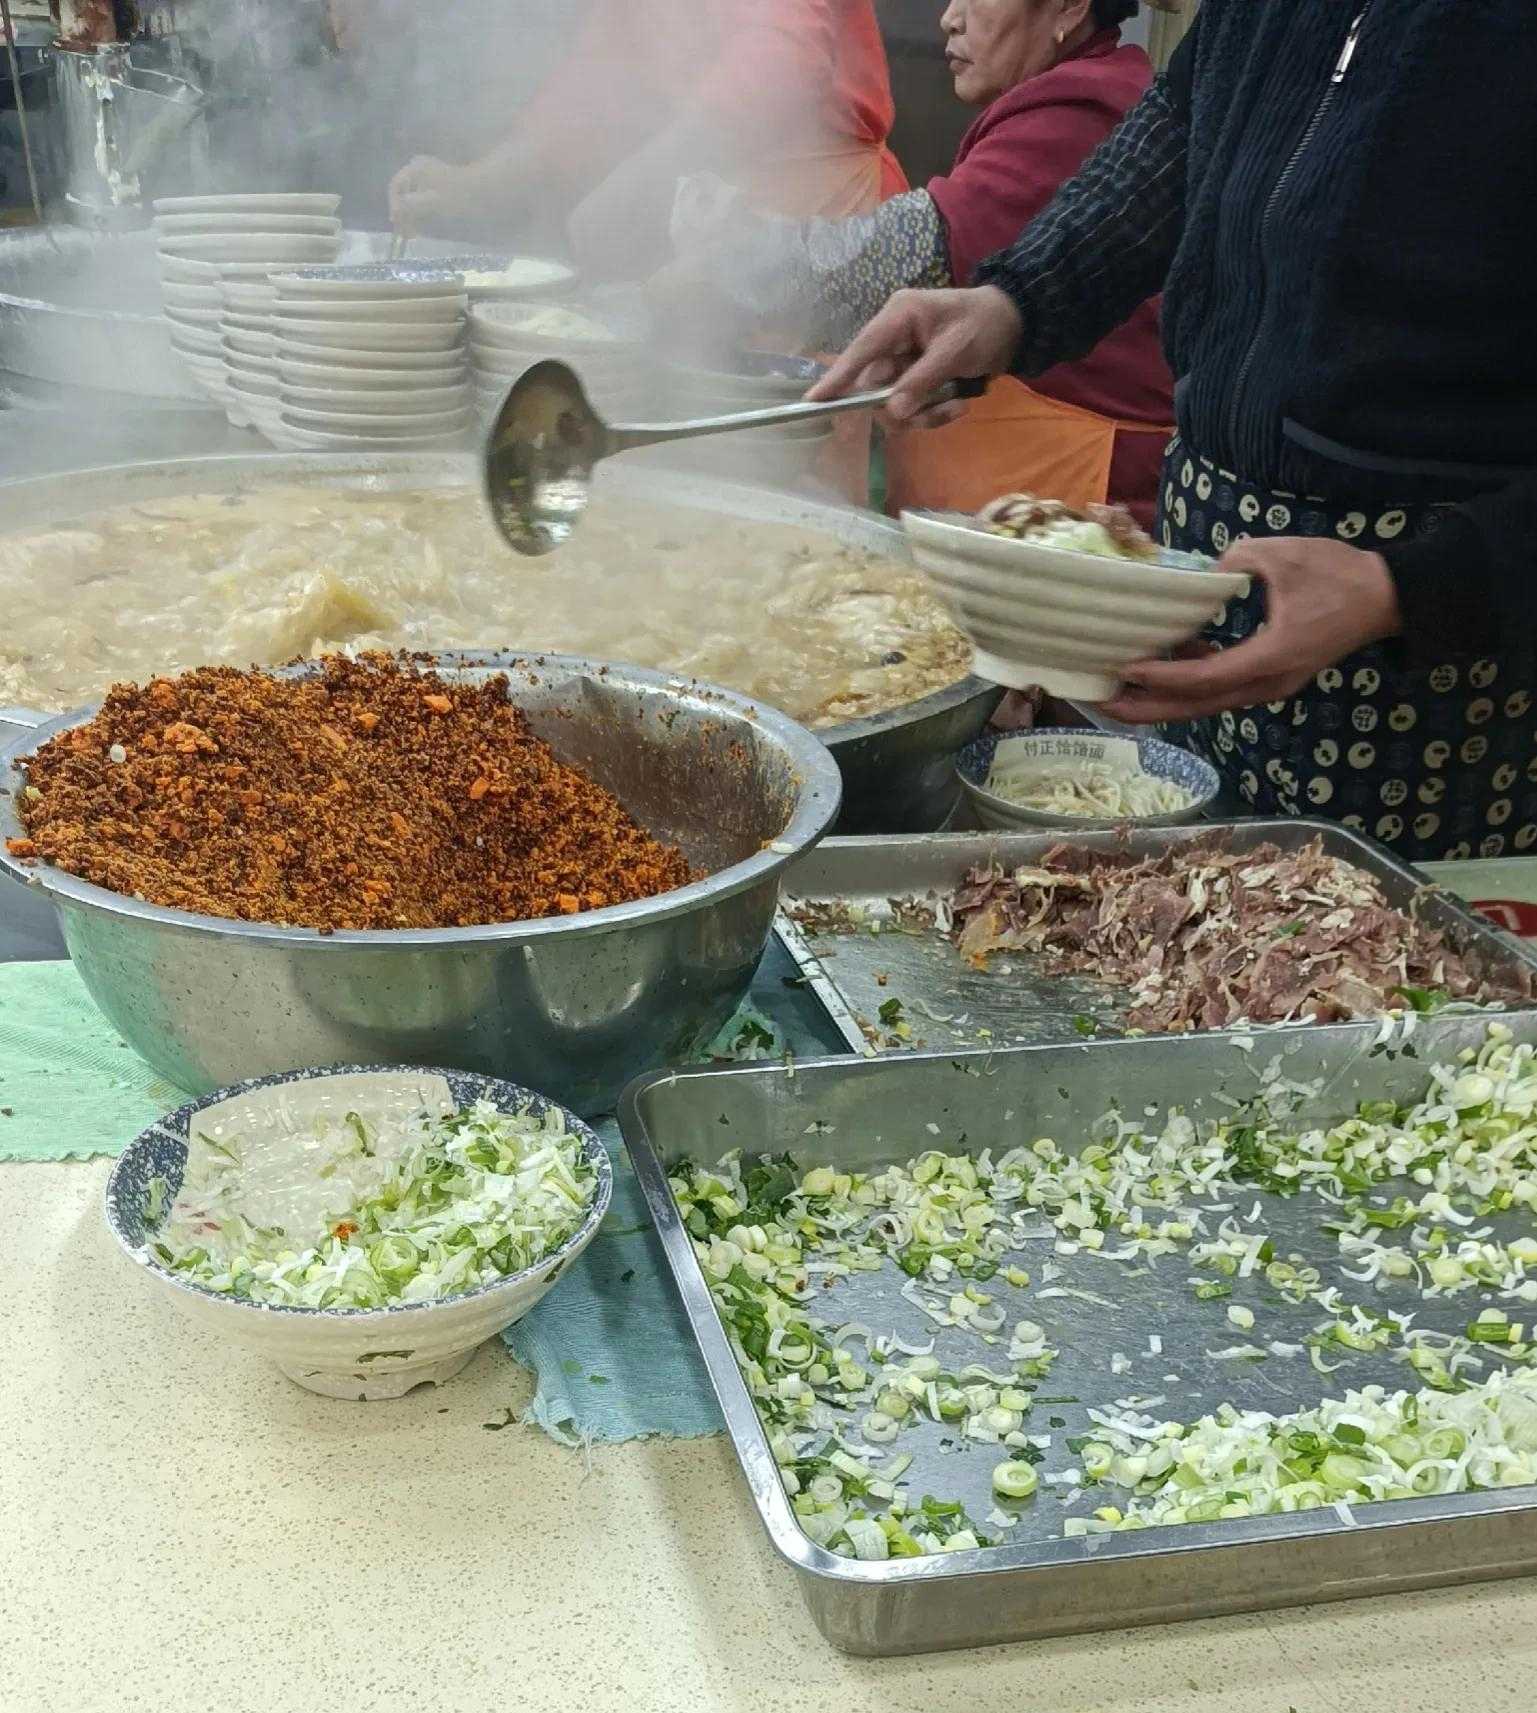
[1147, 1270]
[859, 920]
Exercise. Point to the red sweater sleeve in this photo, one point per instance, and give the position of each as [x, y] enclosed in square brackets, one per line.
[1025, 147]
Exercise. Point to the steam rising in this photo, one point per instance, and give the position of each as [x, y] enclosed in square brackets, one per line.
[585, 115]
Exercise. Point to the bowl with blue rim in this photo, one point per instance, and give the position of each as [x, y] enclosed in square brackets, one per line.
[273, 1130]
[1047, 755]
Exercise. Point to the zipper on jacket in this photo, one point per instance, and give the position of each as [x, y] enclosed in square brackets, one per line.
[1304, 143]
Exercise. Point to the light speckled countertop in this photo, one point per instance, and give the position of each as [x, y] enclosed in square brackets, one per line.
[186, 1531]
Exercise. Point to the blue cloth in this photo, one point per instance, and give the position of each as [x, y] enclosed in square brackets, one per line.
[611, 1347]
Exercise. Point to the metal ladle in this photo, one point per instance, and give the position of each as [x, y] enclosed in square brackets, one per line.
[547, 438]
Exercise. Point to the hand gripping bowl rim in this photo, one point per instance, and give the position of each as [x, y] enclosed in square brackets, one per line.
[815, 811]
[593, 1151]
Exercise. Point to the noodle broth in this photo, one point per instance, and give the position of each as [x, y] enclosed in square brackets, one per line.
[825, 632]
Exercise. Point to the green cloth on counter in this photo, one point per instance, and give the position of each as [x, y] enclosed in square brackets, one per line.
[611, 1349]
[69, 1085]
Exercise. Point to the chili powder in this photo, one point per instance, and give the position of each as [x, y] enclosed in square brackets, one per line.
[369, 795]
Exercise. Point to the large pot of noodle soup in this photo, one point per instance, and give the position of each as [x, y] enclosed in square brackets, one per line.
[816, 609]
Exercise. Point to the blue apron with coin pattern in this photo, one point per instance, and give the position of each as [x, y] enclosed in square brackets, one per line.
[1437, 762]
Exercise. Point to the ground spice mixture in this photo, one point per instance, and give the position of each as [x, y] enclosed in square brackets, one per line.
[372, 795]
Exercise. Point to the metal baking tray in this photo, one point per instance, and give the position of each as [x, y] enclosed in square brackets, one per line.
[949, 1004]
[1038, 1583]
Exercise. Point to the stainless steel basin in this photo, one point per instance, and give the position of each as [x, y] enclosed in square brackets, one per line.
[573, 1007]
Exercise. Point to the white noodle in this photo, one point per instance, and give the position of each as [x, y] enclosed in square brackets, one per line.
[1089, 788]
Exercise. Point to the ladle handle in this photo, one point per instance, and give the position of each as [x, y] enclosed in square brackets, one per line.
[626, 436]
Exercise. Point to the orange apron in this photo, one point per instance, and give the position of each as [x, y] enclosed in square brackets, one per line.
[841, 178]
[1012, 440]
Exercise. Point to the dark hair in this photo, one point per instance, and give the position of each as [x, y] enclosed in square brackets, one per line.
[1109, 13]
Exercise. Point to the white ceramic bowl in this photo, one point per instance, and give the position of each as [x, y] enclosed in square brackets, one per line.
[305, 350]
[251, 202]
[369, 280]
[250, 297]
[175, 271]
[397, 310]
[253, 381]
[247, 344]
[293, 439]
[507, 324]
[251, 363]
[208, 373]
[412, 424]
[489, 276]
[340, 376]
[244, 273]
[264, 416]
[200, 316]
[176, 296]
[258, 410]
[758, 378]
[377, 403]
[208, 368]
[1050, 748]
[492, 278]
[603, 361]
[1063, 621]
[274, 249]
[362, 1354]
[219, 224]
[200, 341]
[375, 335]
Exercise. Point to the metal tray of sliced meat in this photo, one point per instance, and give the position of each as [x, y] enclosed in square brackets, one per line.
[971, 940]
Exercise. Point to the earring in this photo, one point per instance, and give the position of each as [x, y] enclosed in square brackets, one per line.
[1061, 37]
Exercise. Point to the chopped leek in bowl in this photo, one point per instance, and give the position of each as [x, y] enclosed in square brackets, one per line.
[368, 1228]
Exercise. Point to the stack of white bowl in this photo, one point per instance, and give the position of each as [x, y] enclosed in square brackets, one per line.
[248, 352]
[507, 337]
[785, 455]
[197, 237]
[369, 357]
[194, 306]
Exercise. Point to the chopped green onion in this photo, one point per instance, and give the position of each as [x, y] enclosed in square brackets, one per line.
[1015, 1480]
[427, 1207]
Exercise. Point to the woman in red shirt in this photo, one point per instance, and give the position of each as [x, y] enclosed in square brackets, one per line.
[1056, 79]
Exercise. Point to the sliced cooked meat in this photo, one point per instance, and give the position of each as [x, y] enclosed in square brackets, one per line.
[1204, 937]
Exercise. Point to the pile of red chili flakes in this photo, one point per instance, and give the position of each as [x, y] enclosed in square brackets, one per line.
[371, 795]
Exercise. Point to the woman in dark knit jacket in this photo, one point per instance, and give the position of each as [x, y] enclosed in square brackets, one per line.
[1336, 197]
